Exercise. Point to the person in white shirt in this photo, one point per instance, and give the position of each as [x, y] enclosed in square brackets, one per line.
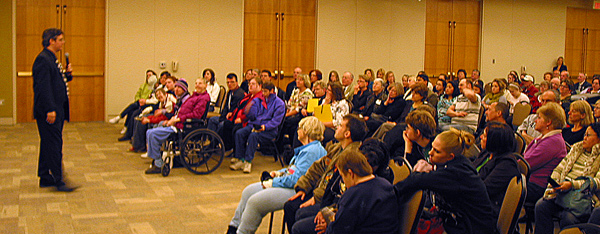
[212, 87]
[515, 96]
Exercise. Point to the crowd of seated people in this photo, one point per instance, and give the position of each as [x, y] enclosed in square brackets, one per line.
[405, 117]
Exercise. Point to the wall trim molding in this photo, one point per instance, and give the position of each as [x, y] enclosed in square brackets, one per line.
[6, 121]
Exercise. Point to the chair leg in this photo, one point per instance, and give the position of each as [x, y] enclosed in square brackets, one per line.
[271, 222]
[283, 226]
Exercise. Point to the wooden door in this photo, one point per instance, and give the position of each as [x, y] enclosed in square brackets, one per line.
[451, 36]
[83, 24]
[592, 54]
[574, 40]
[279, 35]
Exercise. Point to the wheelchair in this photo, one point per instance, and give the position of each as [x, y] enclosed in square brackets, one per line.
[198, 149]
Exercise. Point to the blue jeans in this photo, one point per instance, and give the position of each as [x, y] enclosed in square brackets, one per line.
[545, 210]
[214, 123]
[155, 138]
[247, 141]
[256, 203]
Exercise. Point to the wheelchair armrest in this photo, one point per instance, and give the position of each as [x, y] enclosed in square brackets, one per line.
[192, 124]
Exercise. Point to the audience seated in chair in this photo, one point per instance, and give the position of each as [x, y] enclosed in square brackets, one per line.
[250, 73]
[260, 198]
[582, 161]
[369, 204]
[580, 116]
[465, 111]
[221, 124]
[527, 128]
[515, 96]
[450, 94]
[413, 143]
[192, 107]
[292, 85]
[431, 97]
[391, 109]
[349, 134]
[376, 100]
[166, 109]
[361, 94]
[265, 76]
[468, 209]
[212, 87]
[297, 102]
[348, 85]
[142, 94]
[376, 153]
[238, 119]
[264, 116]
[546, 151]
[339, 109]
[496, 164]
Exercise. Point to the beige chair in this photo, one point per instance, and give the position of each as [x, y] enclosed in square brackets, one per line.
[588, 228]
[521, 111]
[400, 171]
[410, 212]
[521, 143]
[219, 104]
[512, 204]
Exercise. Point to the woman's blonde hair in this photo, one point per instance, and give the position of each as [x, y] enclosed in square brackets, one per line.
[553, 112]
[306, 79]
[456, 141]
[312, 127]
[583, 107]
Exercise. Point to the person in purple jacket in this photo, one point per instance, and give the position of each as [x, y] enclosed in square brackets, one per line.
[264, 116]
[192, 107]
[545, 152]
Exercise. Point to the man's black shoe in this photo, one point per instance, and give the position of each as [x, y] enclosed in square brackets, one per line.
[66, 188]
[45, 184]
[124, 138]
[153, 170]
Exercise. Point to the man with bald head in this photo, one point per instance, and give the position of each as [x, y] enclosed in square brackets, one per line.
[292, 85]
[348, 83]
[582, 85]
[527, 128]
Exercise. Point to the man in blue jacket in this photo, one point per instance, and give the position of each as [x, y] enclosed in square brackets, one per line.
[264, 116]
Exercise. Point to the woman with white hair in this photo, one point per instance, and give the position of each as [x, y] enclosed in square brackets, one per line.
[260, 198]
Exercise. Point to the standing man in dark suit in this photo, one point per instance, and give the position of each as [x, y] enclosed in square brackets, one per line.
[51, 108]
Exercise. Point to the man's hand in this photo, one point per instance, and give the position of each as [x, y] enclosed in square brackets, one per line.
[237, 121]
[321, 224]
[51, 117]
[69, 68]
[142, 102]
[298, 194]
[423, 166]
[308, 203]
[229, 115]
[145, 120]
[158, 112]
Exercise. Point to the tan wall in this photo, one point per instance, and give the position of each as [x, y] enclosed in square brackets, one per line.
[528, 33]
[357, 34]
[7, 59]
[197, 34]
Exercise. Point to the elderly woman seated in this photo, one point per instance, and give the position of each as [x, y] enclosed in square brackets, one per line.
[580, 116]
[260, 198]
[577, 170]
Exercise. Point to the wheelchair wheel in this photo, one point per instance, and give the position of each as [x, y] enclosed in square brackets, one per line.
[202, 151]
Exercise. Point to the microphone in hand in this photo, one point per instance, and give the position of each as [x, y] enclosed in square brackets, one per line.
[68, 71]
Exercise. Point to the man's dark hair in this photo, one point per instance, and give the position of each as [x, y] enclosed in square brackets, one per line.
[232, 76]
[500, 138]
[165, 73]
[424, 77]
[50, 34]
[267, 71]
[503, 108]
[356, 126]
[423, 121]
[376, 153]
[268, 85]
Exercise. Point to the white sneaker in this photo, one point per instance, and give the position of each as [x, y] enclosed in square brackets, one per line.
[234, 160]
[247, 167]
[144, 155]
[237, 166]
[115, 119]
[124, 130]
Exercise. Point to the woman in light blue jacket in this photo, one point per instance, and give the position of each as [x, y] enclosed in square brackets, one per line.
[260, 198]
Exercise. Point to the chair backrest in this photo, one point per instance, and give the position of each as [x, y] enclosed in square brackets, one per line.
[588, 228]
[512, 204]
[523, 166]
[481, 118]
[410, 212]
[221, 98]
[400, 171]
[521, 111]
[521, 143]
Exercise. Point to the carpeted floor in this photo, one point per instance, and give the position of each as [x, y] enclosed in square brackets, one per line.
[115, 195]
